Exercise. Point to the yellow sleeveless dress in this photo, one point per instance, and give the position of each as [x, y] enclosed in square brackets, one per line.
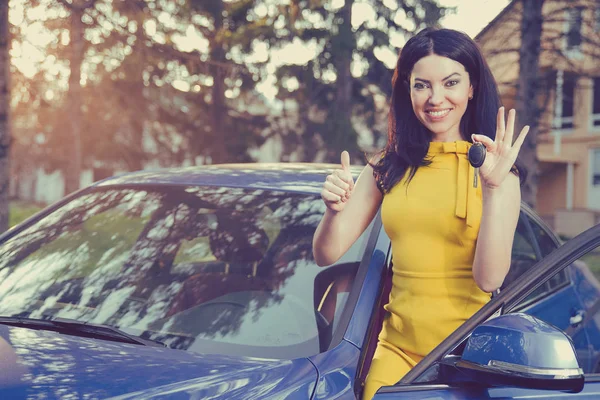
[433, 223]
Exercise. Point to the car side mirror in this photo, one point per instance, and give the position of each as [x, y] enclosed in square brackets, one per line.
[517, 350]
[327, 283]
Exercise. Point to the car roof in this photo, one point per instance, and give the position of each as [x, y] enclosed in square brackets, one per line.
[290, 177]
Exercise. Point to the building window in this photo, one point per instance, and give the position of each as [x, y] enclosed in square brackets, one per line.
[564, 105]
[596, 104]
[573, 33]
[596, 168]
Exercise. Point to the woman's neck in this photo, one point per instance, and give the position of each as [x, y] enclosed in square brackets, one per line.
[447, 137]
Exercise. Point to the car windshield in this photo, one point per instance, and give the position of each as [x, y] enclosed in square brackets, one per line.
[204, 269]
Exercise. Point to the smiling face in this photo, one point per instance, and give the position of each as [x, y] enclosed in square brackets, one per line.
[439, 90]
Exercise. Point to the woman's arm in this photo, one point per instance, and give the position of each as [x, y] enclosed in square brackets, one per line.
[344, 221]
[501, 203]
[501, 207]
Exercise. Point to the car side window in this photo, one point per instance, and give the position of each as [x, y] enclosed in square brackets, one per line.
[523, 255]
[531, 244]
[547, 245]
[574, 308]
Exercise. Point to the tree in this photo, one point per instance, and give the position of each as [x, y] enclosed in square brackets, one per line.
[232, 29]
[194, 104]
[527, 106]
[122, 89]
[77, 8]
[5, 137]
[137, 97]
[122, 95]
[343, 89]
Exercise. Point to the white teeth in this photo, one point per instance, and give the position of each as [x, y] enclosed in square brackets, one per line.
[438, 113]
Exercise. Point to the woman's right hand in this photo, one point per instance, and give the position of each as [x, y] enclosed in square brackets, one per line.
[338, 186]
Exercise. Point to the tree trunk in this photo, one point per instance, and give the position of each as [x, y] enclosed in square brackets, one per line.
[4, 115]
[135, 156]
[527, 107]
[74, 164]
[344, 135]
[219, 108]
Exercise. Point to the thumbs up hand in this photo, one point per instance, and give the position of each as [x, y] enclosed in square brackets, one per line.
[338, 185]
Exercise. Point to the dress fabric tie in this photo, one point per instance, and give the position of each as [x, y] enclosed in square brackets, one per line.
[466, 191]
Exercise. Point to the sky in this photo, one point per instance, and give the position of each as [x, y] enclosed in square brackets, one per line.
[472, 15]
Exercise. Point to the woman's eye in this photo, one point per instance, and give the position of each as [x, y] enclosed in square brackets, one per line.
[452, 83]
[419, 86]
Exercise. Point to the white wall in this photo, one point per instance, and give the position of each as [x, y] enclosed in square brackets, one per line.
[47, 188]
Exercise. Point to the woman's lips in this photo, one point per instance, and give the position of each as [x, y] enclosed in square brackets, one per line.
[437, 115]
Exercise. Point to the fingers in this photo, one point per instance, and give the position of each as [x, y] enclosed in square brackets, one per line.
[500, 125]
[346, 175]
[339, 184]
[338, 178]
[345, 161]
[510, 129]
[330, 197]
[333, 193]
[521, 138]
[336, 186]
[489, 144]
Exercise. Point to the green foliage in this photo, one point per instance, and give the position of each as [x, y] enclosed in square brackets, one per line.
[20, 211]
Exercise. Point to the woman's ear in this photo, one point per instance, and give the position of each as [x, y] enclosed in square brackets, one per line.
[470, 92]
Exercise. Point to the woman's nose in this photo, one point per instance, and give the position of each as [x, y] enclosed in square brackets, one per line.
[436, 97]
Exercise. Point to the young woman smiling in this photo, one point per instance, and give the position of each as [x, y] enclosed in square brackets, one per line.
[451, 226]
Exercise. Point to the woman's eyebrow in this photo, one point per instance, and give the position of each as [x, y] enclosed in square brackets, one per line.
[448, 77]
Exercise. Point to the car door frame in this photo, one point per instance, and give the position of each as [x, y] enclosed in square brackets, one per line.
[503, 303]
[528, 219]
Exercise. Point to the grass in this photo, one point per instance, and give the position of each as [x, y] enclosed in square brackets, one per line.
[19, 211]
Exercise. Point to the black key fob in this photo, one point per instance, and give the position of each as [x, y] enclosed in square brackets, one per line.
[477, 155]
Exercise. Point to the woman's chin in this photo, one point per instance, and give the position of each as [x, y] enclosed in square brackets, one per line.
[437, 130]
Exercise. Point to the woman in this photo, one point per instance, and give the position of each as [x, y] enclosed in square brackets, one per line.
[451, 226]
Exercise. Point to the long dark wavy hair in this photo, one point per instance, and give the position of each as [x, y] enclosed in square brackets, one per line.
[408, 139]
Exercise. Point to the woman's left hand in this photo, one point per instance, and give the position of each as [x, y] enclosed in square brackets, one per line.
[501, 153]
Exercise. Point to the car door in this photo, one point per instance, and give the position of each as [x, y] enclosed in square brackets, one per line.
[557, 301]
[423, 382]
[585, 274]
[560, 305]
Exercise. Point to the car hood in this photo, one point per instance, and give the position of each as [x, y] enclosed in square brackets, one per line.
[45, 364]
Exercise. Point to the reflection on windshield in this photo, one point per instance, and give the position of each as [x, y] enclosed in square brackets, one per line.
[204, 269]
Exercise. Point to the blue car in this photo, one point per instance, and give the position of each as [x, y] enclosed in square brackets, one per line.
[199, 283]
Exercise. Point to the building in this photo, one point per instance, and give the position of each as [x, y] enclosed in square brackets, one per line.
[569, 130]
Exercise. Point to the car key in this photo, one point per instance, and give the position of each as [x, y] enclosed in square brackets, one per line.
[476, 156]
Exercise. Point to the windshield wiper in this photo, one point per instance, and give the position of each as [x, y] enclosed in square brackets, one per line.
[79, 328]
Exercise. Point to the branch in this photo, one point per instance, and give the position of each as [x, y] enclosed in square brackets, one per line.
[72, 6]
[195, 56]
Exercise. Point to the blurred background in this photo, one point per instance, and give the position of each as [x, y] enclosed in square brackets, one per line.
[93, 88]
